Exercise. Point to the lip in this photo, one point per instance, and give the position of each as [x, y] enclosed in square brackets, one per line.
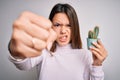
[63, 38]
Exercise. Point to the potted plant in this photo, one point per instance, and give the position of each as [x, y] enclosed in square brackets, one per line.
[92, 36]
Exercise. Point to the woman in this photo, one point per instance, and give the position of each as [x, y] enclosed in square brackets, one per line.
[68, 61]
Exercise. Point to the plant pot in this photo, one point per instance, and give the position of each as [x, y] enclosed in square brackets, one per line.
[90, 41]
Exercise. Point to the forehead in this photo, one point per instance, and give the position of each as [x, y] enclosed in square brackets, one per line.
[61, 18]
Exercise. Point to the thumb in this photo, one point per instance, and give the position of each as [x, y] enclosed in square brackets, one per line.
[51, 39]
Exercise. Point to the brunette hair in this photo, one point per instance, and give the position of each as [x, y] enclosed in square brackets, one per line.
[76, 42]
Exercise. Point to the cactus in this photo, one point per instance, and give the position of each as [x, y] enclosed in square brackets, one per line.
[93, 34]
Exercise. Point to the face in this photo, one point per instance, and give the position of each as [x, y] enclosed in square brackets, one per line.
[62, 27]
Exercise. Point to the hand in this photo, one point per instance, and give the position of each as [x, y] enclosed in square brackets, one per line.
[99, 53]
[31, 34]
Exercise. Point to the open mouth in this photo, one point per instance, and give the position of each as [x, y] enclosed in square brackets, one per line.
[63, 38]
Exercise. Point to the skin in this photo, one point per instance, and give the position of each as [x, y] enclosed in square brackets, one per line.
[26, 40]
[62, 27]
[99, 53]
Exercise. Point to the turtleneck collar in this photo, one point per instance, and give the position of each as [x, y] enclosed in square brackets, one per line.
[68, 46]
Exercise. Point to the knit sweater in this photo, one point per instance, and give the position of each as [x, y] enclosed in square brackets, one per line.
[65, 64]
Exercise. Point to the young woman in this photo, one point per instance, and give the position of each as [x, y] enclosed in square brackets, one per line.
[66, 60]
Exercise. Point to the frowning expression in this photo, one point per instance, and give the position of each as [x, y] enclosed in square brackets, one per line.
[62, 27]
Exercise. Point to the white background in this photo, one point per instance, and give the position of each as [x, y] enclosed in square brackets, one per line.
[104, 13]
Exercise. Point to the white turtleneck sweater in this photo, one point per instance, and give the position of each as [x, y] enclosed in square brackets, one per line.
[65, 64]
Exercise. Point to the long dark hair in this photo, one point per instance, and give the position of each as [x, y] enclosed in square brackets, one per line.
[76, 42]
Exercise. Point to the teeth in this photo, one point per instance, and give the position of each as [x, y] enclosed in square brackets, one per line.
[63, 38]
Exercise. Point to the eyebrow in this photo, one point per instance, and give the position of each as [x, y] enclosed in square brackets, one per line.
[60, 23]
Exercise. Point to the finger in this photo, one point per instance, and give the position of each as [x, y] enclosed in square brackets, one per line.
[27, 51]
[51, 39]
[96, 45]
[52, 36]
[96, 54]
[37, 32]
[21, 36]
[39, 44]
[38, 20]
[100, 43]
[102, 53]
[32, 29]
[101, 48]
[96, 50]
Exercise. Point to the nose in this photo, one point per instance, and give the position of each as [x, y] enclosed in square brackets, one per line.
[63, 30]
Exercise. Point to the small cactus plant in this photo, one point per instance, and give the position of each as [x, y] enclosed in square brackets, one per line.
[92, 36]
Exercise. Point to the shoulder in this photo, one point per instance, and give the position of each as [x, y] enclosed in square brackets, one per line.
[87, 55]
[84, 53]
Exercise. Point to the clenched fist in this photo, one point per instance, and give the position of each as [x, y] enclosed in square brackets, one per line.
[31, 34]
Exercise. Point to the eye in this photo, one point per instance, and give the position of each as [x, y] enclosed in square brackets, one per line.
[56, 24]
[68, 25]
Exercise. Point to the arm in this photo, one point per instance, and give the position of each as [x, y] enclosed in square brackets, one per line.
[99, 54]
[31, 34]
[92, 72]
[96, 73]
[26, 64]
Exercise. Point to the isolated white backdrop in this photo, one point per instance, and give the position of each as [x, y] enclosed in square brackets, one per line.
[104, 13]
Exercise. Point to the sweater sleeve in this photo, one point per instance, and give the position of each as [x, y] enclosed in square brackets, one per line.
[27, 63]
[97, 73]
[21, 64]
[93, 72]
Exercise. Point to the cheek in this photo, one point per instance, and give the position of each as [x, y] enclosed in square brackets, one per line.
[57, 31]
[70, 33]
